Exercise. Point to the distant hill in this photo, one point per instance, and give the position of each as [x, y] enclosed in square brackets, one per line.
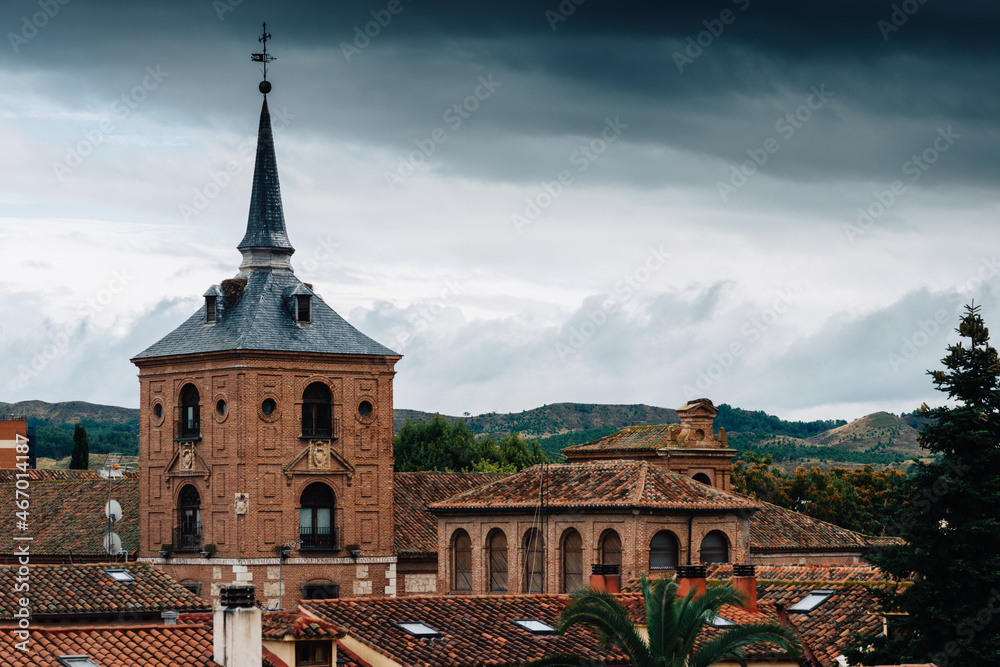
[70, 412]
[880, 431]
[109, 427]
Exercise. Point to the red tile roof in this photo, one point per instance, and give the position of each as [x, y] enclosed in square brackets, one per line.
[66, 512]
[415, 527]
[62, 590]
[811, 574]
[475, 630]
[280, 624]
[777, 529]
[134, 646]
[615, 484]
[631, 439]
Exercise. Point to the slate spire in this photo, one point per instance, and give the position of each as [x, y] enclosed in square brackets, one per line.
[266, 224]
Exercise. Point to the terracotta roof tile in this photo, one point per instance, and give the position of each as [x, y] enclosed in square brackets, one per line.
[415, 527]
[475, 630]
[87, 589]
[66, 512]
[631, 439]
[614, 484]
[776, 529]
[281, 624]
[814, 574]
[142, 646]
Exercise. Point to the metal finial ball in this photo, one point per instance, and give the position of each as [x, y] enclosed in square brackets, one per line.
[265, 87]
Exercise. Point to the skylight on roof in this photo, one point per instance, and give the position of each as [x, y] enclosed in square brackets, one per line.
[76, 661]
[119, 574]
[533, 626]
[720, 622]
[811, 601]
[417, 629]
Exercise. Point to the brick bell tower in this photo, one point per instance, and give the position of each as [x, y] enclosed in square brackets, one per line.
[266, 430]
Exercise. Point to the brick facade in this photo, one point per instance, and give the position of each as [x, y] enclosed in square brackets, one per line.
[242, 450]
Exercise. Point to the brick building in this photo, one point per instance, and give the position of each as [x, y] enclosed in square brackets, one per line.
[266, 431]
[15, 445]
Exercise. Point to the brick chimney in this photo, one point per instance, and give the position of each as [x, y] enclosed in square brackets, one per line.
[745, 579]
[691, 577]
[237, 641]
[613, 578]
[597, 577]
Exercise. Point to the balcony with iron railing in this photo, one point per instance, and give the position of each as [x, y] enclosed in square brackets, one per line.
[313, 538]
[187, 537]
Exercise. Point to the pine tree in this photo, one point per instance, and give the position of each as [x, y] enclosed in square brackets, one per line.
[952, 524]
[80, 459]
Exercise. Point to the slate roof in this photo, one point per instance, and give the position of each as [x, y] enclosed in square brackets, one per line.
[476, 630]
[119, 646]
[415, 527]
[66, 512]
[86, 589]
[616, 484]
[777, 529]
[266, 222]
[262, 320]
[628, 440]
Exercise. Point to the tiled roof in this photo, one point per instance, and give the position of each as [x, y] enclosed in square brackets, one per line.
[616, 484]
[415, 527]
[261, 320]
[66, 512]
[775, 528]
[475, 630]
[119, 646]
[631, 439]
[88, 590]
[813, 574]
[280, 624]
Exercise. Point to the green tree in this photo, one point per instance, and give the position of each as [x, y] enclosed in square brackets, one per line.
[80, 459]
[435, 444]
[674, 626]
[952, 528]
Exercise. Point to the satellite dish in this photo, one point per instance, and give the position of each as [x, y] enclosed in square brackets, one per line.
[113, 510]
[112, 544]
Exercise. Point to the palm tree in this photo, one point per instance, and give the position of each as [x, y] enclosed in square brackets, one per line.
[674, 626]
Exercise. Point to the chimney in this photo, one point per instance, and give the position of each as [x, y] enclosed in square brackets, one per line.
[613, 578]
[237, 640]
[691, 577]
[597, 577]
[745, 579]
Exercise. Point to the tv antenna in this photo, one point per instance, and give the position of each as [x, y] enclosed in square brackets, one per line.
[113, 468]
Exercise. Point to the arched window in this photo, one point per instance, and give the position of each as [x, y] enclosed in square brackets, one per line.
[316, 402]
[189, 534]
[497, 545]
[572, 561]
[533, 545]
[461, 550]
[316, 529]
[703, 478]
[663, 551]
[715, 548]
[611, 548]
[190, 412]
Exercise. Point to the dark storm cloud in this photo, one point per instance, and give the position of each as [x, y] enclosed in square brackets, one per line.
[891, 89]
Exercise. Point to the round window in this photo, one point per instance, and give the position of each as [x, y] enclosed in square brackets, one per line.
[220, 408]
[158, 411]
[365, 408]
[268, 406]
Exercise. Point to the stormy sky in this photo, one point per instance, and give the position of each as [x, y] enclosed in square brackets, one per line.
[782, 206]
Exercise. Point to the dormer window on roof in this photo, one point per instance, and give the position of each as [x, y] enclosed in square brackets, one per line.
[417, 629]
[212, 304]
[811, 601]
[720, 622]
[534, 626]
[301, 305]
[119, 574]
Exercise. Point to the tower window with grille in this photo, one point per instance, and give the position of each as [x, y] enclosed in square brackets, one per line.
[316, 408]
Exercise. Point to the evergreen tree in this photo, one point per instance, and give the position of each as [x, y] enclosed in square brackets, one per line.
[80, 459]
[952, 526]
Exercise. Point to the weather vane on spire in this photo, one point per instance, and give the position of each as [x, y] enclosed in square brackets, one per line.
[265, 57]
